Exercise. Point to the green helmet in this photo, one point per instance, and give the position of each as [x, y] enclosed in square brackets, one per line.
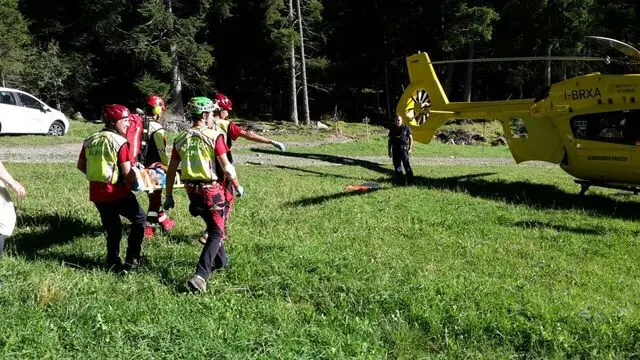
[199, 105]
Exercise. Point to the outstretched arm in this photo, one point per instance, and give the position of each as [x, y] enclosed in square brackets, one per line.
[250, 135]
[11, 182]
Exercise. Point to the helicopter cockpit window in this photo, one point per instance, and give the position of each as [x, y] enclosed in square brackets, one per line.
[620, 127]
[518, 128]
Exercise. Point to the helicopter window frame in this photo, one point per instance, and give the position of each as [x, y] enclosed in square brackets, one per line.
[617, 127]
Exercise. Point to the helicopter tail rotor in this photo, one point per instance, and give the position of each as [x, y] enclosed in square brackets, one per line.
[424, 101]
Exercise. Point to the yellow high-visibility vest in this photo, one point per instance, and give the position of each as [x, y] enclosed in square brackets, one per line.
[223, 126]
[101, 150]
[196, 147]
[154, 132]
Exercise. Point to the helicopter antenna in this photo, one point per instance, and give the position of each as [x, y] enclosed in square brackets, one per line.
[619, 45]
[606, 59]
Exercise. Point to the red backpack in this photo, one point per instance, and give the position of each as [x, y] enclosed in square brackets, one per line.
[134, 136]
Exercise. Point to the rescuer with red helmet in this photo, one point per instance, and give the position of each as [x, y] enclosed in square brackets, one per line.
[105, 160]
[149, 147]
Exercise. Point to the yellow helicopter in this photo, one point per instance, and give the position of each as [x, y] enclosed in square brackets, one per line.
[589, 124]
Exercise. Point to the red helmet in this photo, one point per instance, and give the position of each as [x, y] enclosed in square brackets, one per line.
[114, 112]
[155, 100]
[223, 101]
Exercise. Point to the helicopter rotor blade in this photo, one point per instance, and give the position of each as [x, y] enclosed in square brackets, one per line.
[619, 45]
[530, 58]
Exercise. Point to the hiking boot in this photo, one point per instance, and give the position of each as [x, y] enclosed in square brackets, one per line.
[166, 222]
[131, 264]
[149, 231]
[114, 265]
[197, 284]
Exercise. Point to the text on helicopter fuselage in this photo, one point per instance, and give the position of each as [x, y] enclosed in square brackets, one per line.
[582, 94]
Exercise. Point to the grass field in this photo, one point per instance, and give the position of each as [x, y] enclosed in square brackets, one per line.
[481, 262]
[376, 145]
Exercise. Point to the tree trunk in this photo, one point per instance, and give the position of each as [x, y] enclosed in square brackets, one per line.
[176, 78]
[3, 83]
[293, 100]
[448, 82]
[547, 72]
[469, 77]
[176, 83]
[305, 96]
[386, 82]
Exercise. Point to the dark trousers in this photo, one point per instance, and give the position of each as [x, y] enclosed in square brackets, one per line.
[209, 203]
[110, 213]
[400, 155]
[1, 244]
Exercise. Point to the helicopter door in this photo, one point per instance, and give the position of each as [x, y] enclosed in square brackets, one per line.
[533, 139]
[606, 144]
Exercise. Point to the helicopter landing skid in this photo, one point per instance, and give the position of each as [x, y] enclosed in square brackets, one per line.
[585, 185]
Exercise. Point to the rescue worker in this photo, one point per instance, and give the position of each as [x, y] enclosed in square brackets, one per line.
[399, 146]
[148, 143]
[201, 153]
[105, 161]
[232, 132]
[7, 211]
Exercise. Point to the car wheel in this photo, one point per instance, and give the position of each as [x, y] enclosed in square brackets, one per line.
[56, 129]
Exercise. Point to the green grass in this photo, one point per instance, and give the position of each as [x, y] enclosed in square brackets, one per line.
[376, 145]
[78, 131]
[482, 262]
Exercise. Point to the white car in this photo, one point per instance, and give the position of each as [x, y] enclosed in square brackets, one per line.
[23, 113]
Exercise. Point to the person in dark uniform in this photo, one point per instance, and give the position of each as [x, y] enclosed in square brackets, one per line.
[400, 146]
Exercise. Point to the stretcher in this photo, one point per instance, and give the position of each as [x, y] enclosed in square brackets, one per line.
[152, 179]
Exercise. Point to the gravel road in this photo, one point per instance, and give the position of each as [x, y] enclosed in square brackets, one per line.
[68, 153]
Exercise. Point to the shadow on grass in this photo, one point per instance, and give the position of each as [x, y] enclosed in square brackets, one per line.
[332, 159]
[325, 198]
[318, 173]
[50, 230]
[536, 224]
[541, 196]
[345, 194]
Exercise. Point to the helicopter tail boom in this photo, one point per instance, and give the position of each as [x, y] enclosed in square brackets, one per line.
[425, 106]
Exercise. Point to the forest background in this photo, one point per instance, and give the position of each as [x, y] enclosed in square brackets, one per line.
[118, 51]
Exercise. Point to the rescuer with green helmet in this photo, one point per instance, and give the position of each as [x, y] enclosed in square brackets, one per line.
[201, 154]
